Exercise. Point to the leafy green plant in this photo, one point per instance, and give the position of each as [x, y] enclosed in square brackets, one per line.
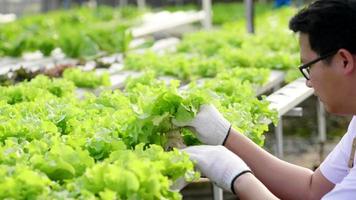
[55, 146]
[86, 79]
[96, 30]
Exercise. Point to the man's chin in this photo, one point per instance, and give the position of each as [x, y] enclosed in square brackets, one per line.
[329, 109]
[336, 111]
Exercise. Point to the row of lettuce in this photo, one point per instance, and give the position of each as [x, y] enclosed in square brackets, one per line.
[121, 144]
[206, 53]
[57, 146]
[79, 33]
[84, 32]
[201, 54]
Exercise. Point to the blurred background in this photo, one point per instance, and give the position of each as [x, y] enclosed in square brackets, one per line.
[188, 40]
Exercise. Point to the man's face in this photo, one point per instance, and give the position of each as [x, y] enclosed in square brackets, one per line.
[323, 77]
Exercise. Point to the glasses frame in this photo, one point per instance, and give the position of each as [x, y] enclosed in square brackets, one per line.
[305, 69]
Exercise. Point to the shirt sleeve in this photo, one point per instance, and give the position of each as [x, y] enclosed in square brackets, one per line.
[345, 190]
[335, 166]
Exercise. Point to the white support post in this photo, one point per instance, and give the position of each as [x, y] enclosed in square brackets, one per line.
[249, 6]
[122, 3]
[279, 132]
[218, 193]
[321, 121]
[279, 138]
[207, 10]
[93, 3]
[141, 4]
[321, 128]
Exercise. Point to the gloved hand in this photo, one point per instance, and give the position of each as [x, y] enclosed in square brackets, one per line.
[210, 126]
[179, 184]
[219, 164]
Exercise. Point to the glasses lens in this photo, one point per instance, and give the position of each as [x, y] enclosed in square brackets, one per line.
[306, 73]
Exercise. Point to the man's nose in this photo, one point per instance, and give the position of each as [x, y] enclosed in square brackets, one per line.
[308, 83]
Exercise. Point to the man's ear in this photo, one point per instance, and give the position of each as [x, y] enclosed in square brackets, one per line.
[348, 62]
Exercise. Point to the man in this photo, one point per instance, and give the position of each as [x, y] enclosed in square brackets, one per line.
[327, 38]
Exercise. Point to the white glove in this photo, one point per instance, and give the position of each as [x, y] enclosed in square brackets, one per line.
[210, 126]
[179, 184]
[219, 164]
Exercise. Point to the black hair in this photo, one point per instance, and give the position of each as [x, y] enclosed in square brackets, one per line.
[330, 25]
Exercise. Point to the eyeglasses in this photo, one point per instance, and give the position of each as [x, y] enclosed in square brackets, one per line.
[305, 69]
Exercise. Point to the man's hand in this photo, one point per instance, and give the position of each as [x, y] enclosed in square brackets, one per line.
[210, 126]
[219, 164]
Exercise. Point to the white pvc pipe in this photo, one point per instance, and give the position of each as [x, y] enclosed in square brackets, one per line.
[321, 121]
[218, 193]
[123, 3]
[250, 16]
[207, 11]
[141, 4]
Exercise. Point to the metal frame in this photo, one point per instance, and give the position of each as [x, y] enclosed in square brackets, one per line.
[285, 100]
[207, 22]
[249, 6]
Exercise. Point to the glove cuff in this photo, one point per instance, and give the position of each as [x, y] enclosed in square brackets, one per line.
[222, 130]
[237, 176]
[227, 135]
[229, 176]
